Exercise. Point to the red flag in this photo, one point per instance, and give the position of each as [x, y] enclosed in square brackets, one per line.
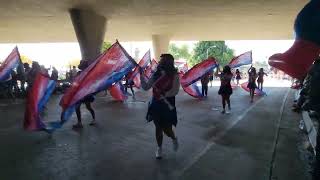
[117, 92]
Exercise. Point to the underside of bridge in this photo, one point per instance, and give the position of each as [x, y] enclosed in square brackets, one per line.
[91, 22]
[49, 21]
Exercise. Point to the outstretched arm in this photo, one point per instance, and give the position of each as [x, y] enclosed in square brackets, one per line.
[146, 84]
[249, 70]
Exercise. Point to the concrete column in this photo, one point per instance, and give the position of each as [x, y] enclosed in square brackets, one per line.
[90, 29]
[160, 44]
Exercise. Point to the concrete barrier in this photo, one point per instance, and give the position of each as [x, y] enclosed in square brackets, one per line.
[311, 129]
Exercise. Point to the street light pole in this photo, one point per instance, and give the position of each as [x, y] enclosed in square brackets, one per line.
[208, 50]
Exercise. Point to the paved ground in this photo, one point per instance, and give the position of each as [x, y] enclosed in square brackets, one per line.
[257, 141]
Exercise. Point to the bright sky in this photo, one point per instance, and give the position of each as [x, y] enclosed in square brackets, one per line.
[58, 54]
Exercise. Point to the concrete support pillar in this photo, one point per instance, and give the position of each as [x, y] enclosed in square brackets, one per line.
[90, 29]
[160, 44]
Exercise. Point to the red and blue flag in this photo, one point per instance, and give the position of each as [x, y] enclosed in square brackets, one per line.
[10, 63]
[37, 98]
[143, 63]
[151, 69]
[108, 68]
[197, 71]
[117, 92]
[242, 59]
[193, 90]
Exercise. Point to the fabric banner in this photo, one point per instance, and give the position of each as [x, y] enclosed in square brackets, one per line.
[143, 63]
[117, 92]
[108, 68]
[242, 59]
[193, 90]
[37, 98]
[197, 71]
[151, 69]
[10, 63]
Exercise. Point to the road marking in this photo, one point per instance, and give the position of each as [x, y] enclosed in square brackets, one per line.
[213, 139]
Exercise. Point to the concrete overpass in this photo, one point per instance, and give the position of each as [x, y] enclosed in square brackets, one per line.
[159, 21]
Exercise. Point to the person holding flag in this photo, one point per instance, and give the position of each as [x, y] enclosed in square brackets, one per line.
[87, 100]
[260, 80]
[165, 86]
[238, 76]
[225, 89]
[252, 81]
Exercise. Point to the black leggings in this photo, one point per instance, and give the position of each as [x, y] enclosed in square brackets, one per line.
[225, 100]
[204, 90]
[131, 88]
[159, 133]
[90, 109]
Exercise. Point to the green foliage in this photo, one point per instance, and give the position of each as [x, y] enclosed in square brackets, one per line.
[180, 52]
[216, 49]
[105, 46]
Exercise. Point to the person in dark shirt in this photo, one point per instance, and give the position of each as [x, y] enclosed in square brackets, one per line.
[87, 100]
[204, 83]
[225, 89]
[162, 111]
[54, 74]
[260, 80]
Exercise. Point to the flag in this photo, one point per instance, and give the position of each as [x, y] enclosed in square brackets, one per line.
[37, 98]
[136, 81]
[193, 90]
[151, 69]
[117, 92]
[242, 59]
[297, 60]
[257, 91]
[197, 71]
[143, 63]
[10, 63]
[108, 68]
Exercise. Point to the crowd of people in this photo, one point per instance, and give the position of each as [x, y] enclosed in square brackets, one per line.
[22, 78]
[226, 77]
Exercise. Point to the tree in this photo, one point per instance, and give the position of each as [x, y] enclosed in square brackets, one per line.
[216, 49]
[180, 52]
[105, 46]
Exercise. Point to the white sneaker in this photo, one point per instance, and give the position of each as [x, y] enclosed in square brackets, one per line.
[228, 112]
[159, 153]
[175, 144]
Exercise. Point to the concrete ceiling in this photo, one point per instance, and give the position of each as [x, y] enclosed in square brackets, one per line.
[49, 21]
